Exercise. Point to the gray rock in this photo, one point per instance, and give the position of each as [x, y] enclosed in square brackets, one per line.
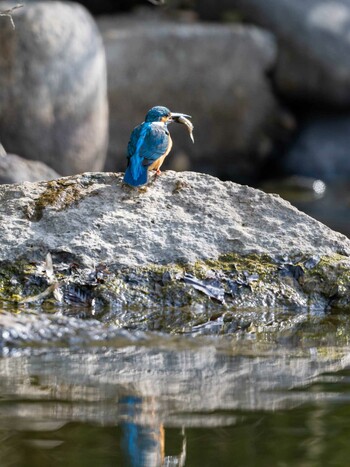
[215, 73]
[15, 169]
[314, 52]
[321, 150]
[53, 104]
[237, 245]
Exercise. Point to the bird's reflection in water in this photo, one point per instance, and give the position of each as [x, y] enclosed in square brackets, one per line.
[143, 439]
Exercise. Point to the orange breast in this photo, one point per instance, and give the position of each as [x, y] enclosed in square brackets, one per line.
[158, 163]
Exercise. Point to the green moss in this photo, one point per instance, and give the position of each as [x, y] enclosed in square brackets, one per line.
[14, 278]
[156, 285]
[331, 278]
[246, 281]
[60, 194]
[260, 264]
[153, 285]
[331, 260]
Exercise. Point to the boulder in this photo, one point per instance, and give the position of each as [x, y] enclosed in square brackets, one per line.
[187, 238]
[322, 149]
[314, 52]
[15, 169]
[53, 104]
[215, 73]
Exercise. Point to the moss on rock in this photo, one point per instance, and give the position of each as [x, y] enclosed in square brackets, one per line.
[242, 281]
[59, 194]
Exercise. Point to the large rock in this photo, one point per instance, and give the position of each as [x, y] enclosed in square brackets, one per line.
[186, 238]
[15, 169]
[321, 149]
[53, 104]
[215, 73]
[314, 52]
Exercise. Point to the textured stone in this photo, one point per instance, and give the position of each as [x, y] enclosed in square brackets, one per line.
[163, 225]
[314, 51]
[186, 238]
[215, 73]
[53, 104]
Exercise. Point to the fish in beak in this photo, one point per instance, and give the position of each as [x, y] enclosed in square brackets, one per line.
[183, 118]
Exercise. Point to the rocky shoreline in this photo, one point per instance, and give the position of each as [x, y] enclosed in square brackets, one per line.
[185, 239]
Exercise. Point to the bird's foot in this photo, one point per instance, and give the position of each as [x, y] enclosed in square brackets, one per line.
[142, 189]
[157, 172]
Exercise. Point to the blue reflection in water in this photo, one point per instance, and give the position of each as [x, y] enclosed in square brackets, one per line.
[143, 444]
[143, 435]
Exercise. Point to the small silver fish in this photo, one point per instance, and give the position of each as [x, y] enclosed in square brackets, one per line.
[189, 125]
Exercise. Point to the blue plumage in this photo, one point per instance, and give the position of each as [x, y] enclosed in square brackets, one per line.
[149, 144]
[136, 172]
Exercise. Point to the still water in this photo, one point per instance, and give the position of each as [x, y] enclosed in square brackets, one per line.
[267, 397]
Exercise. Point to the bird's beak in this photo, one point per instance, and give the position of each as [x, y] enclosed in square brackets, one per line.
[175, 116]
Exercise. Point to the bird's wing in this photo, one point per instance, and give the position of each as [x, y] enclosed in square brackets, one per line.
[148, 142]
[134, 138]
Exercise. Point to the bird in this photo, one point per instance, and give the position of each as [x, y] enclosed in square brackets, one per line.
[150, 143]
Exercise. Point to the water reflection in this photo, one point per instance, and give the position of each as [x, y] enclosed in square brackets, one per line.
[143, 438]
[180, 401]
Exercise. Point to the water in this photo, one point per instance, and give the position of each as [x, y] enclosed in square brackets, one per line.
[269, 397]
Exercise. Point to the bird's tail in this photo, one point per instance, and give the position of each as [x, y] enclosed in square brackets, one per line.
[136, 177]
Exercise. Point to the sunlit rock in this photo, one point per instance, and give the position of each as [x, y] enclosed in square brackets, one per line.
[187, 238]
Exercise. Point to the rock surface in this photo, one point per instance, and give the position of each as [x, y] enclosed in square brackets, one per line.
[314, 51]
[53, 104]
[215, 73]
[15, 169]
[187, 238]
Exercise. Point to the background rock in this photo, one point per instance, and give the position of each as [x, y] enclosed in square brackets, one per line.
[314, 52]
[217, 74]
[15, 169]
[53, 104]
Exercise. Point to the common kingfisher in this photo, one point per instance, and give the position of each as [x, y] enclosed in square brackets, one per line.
[150, 143]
